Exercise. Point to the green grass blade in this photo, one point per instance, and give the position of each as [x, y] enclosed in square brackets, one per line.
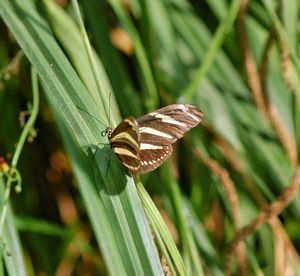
[11, 247]
[147, 77]
[131, 250]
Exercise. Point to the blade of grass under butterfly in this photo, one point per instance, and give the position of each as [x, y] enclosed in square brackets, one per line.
[70, 37]
[157, 222]
[190, 255]
[129, 248]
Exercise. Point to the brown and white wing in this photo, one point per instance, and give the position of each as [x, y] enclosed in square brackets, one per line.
[152, 155]
[124, 141]
[159, 129]
[169, 123]
[143, 144]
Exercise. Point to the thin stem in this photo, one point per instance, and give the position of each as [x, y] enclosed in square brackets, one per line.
[14, 173]
[213, 49]
[148, 80]
[30, 123]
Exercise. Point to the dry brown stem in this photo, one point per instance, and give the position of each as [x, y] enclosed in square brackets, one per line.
[264, 105]
[270, 211]
[263, 70]
[237, 166]
[233, 200]
[252, 75]
[286, 65]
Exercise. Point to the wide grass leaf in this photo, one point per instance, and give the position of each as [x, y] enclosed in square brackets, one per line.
[114, 208]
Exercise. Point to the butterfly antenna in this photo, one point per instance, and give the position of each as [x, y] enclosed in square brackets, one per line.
[94, 154]
[109, 99]
[91, 115]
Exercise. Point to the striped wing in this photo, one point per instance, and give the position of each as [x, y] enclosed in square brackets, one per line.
[124, 141]
[159, 129]
[152, 156]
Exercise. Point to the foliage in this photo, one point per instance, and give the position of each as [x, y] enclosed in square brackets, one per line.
[229, 179]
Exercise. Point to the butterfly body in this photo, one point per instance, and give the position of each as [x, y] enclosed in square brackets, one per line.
[143, 144]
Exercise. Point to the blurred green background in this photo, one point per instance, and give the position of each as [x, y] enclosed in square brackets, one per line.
[237, 61]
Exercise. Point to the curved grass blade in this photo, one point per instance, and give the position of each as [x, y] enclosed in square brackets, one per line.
[129, 249]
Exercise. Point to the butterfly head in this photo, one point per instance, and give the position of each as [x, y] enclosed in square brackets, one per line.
[107, 132]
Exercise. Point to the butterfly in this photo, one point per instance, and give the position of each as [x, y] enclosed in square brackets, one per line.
[143, 144]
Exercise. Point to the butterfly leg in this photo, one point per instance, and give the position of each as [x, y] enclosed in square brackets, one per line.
[108, 162]
[94, 154]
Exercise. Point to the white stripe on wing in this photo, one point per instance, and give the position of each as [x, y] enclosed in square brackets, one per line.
[156, 132]
[144, 146]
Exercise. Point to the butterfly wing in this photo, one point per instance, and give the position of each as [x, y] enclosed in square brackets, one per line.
[124, 141]
[152, 156]
[169, 123]
[159, 129]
